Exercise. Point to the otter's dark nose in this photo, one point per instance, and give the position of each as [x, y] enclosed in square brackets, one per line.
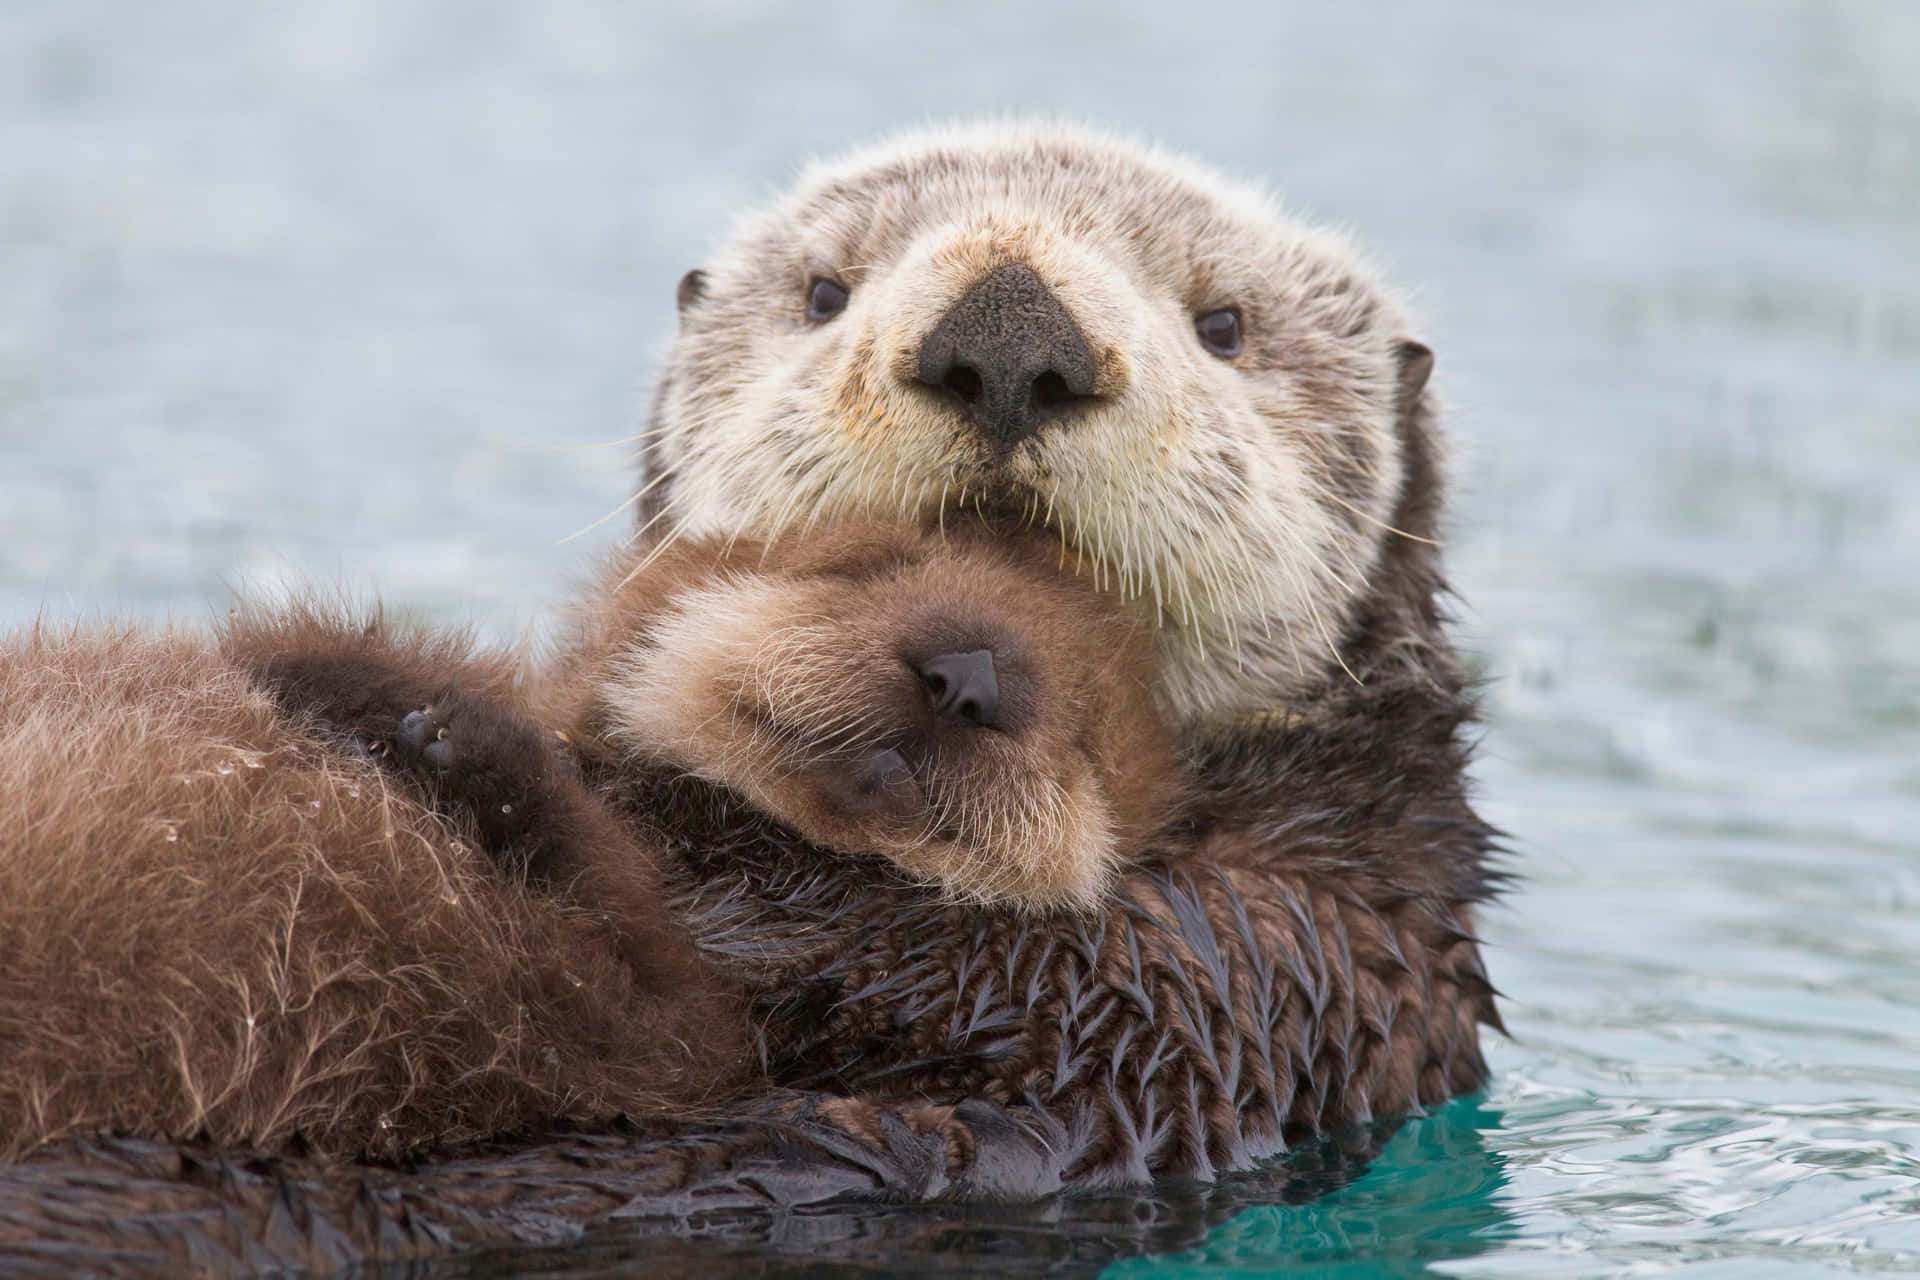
[963, 686]
[1011, 354]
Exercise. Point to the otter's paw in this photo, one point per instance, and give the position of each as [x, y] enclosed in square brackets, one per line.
[476, 753]
[353, 702]
[424, 739]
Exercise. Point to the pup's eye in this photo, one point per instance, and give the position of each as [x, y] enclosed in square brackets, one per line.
[1219, 332]
[825, 300]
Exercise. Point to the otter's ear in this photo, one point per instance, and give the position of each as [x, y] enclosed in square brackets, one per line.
[692, 288]
[1416, 366]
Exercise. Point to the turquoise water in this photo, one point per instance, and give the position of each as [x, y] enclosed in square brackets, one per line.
[337, 290]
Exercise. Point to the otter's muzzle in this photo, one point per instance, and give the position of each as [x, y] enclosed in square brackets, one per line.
[1010, 354]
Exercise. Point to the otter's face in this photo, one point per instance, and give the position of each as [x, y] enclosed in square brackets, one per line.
[1196, 396]
[984, 726]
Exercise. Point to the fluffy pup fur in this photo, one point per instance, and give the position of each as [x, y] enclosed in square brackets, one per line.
[215, 923]
[785, 672]
[329, 879]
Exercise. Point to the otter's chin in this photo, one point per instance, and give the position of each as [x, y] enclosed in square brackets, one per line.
[998, 500]
[990, 827]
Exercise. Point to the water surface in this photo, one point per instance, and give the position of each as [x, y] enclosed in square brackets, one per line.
[340, 290]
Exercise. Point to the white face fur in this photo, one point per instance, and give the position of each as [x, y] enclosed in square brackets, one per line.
[1238, 496]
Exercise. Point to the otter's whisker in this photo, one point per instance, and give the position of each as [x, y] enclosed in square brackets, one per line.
[1372, 519]
[628, 505]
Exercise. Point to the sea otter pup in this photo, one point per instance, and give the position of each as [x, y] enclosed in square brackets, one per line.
[216, 922]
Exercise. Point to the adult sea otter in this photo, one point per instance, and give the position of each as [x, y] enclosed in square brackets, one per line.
[1225, 422]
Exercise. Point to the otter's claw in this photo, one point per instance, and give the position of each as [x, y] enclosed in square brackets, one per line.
[424, 739]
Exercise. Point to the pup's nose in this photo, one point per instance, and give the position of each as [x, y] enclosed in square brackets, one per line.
[962, 686]
[1011, 354]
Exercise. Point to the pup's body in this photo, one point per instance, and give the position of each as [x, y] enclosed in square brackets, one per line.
[1294, 961]
[334, 880]
[215, 923]
[1225, 421]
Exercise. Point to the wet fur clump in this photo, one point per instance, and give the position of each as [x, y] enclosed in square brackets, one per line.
[214, 922]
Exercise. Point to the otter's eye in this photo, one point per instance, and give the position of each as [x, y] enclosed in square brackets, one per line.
[1220, 332]
[825, 300]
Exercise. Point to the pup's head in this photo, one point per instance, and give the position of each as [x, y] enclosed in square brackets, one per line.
[1196, 396]
[968, 712]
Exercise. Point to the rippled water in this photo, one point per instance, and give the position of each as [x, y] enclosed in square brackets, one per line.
[335, 289]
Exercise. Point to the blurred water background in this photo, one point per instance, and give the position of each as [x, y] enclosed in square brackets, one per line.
[337, 290]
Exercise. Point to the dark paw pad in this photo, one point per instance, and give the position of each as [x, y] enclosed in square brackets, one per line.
[424, 740]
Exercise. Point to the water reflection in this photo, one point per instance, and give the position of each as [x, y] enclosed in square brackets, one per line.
[1433, 1195]
[1430, 1195]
